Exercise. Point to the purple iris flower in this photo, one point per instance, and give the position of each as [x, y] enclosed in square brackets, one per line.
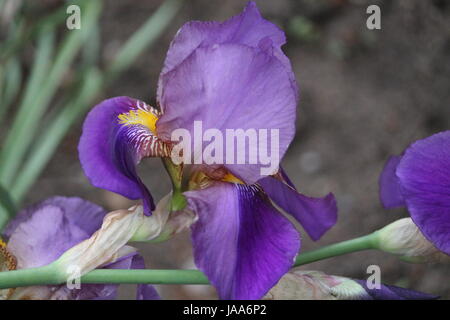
[230, 75]
[38, 235]
[420, 180]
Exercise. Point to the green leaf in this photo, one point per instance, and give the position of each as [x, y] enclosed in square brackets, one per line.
[7, 207]
[37, 99]
[12, 80]
[50, 139]
[144, 37]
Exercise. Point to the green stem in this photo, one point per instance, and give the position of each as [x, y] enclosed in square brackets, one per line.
[30, 277]
[337, 249]
[49, 275]
[175, 172]
[145, 276]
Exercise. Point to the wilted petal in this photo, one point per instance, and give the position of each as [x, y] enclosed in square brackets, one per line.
[316, 215]
[163, 224]
[231, 86]
[315, 285]
[403, 238]
[117, 134]
[390, 188]
[240, 241]
[247, 28]
[106, 244]
[424, 174]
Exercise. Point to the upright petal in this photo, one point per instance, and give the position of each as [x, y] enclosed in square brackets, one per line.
[247, 28]
[242, 243]
[424, 174]
[316, 215]
[117, 134]
[231, 86]
[390, 188]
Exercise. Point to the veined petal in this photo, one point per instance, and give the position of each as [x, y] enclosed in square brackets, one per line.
[231, 86]
[241, 242]
[424, 174]
[390, 188]
[117, 134]
[316, 215]
[248, 28]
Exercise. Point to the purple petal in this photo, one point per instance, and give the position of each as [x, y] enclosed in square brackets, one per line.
[44, 236]
[285, 178]
[316, 215]
[241, 242]
[110, 150]
[424, 174]
[84, 214]
[144, 291]
[387, 292]
[230, 86]
[247, 28]
[390, 189]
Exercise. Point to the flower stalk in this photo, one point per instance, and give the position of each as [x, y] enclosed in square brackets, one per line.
[51, 274]
[353, 245]
[175, 172]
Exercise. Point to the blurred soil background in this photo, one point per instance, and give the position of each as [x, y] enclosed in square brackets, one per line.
[365, 94]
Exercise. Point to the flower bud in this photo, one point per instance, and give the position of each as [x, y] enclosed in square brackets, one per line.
[403, 238]
[315, 285]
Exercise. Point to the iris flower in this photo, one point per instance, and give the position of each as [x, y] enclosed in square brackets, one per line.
[40, 234]
[229, 75]
[419, 180]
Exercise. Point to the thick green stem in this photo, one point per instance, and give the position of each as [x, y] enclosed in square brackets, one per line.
[49, 274]
[337, 249]
[175, 172]
[30, 277]
[145, 276]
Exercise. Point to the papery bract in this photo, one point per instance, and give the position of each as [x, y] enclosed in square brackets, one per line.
[315, 285]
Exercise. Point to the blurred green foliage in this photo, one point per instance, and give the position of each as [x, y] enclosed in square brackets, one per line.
[37, 110]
